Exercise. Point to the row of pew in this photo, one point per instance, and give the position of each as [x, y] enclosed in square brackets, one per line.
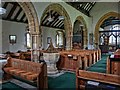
[72, 59]
[19, 55]
[80, 61]
[109, 80]
[69, 59]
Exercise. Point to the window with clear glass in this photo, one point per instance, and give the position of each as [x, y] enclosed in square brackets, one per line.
[115, 35]
[59, 39]
[28, 38]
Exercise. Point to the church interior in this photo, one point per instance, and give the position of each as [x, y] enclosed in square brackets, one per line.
[62, 44]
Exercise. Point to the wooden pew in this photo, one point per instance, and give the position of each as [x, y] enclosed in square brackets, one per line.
[14, 55]
[69, 61]
[79, 58]
[83, 77]
[113, 63]
[96, 54]
[32, 72]
[25, 56]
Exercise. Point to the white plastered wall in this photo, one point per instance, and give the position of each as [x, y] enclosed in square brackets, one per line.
[13, 28]
[49, 32]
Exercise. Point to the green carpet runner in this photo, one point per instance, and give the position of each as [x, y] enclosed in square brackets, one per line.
[66, 82]
[99, 66]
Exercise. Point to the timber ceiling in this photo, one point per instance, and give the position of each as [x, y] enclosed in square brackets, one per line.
[51, 18]
[13, 12]
[55, 22]
[84, 7]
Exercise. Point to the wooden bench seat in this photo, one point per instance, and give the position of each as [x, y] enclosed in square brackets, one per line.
[30, 71]
[82, 77]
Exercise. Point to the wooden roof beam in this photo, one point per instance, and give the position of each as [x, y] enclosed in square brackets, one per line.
[5, 5]
[15, 17]
[11, 11]
[22, 17]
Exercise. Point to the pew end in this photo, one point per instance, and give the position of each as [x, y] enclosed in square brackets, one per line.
[83, 77]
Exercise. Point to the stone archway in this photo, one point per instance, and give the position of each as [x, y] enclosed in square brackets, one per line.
[101, 20]
[85, 33]
[67, 22]
[31, 15]
[33, 23]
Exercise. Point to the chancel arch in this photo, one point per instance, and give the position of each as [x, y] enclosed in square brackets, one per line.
[107, 32]
[80, 32]
[101, 20]
[58, 10]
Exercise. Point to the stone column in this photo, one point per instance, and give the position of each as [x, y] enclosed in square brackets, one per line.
[1, 39]
[85, 40]
[35, 47]
[71, 36]
[69, 41]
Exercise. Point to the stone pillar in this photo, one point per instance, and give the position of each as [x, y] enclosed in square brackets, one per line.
[35, 47]
[69, 41]
[1, 34]
[71, 36]
[85, 40]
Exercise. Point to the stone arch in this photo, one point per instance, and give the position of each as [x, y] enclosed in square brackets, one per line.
[85, 33]
[31, 15]
[67, 22]
[33, 24]
[101, 20]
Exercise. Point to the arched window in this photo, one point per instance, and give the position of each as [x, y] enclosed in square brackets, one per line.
[60, 39]
[28, 38]
[110, 38]
[115, 37]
